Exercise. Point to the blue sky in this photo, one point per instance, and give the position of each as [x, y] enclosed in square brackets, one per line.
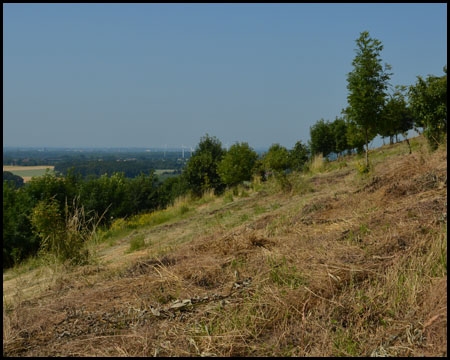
[156, 75]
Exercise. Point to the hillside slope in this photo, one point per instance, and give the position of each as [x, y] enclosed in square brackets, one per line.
[336, 264]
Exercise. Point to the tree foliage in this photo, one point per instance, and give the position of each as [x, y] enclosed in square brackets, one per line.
[367, 86]
[298, 156]
[355, 138]
[428, 100]
[106, 194]
[46, 187]
[15, 180]
[322, 138]
[276, 159]
[339, 131]
[201, 171]
[141, 192]
[237, 164]
[48, 223]
[49, 201]
[19, 242]
[397, 117]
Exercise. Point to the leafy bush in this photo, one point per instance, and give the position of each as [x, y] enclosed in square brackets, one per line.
[237, 164]
[428, 100]
[200, 173]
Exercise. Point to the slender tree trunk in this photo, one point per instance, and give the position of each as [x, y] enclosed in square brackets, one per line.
[409, 145]
[367, 149]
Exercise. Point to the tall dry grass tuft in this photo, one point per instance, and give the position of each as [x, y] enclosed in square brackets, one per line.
[182, 201]
[412, 274]
[64, 236]
[317, 164]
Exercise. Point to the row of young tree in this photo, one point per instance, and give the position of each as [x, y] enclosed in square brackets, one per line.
[373, 111]
[44, 208]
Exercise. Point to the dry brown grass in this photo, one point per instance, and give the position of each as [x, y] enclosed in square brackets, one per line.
[354, 266]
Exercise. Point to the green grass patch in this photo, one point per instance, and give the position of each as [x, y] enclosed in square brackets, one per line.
[344, 344]
[137, 243]
[228, 197]
[284, 274]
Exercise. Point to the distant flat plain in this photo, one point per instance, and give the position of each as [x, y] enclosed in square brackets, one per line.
[27, 172]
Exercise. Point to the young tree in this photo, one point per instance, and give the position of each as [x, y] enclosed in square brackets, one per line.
[339, 131]
[201, 169]
[396, 117]
[48, 224]
[62, 234]
[276, 158]
[275, 162]
[355, 138]
[321, 138]
[428, 100]
[298, 156]
[367, 85]
[237, 164]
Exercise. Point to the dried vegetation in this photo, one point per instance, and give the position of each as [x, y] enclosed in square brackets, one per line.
[343, 264]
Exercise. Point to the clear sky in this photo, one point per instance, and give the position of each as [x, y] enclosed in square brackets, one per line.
[156, 75]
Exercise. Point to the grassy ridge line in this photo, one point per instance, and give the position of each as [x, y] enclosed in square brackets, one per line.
[338, 263]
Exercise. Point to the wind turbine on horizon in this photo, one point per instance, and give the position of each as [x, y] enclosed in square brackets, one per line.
[186, 147]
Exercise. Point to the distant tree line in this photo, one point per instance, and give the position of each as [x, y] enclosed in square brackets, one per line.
[93, 164]
[129, 167]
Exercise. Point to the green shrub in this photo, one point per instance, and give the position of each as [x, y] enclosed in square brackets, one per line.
[362, 167]
[63, 237]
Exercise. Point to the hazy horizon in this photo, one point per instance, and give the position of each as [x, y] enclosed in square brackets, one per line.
[164, 75]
